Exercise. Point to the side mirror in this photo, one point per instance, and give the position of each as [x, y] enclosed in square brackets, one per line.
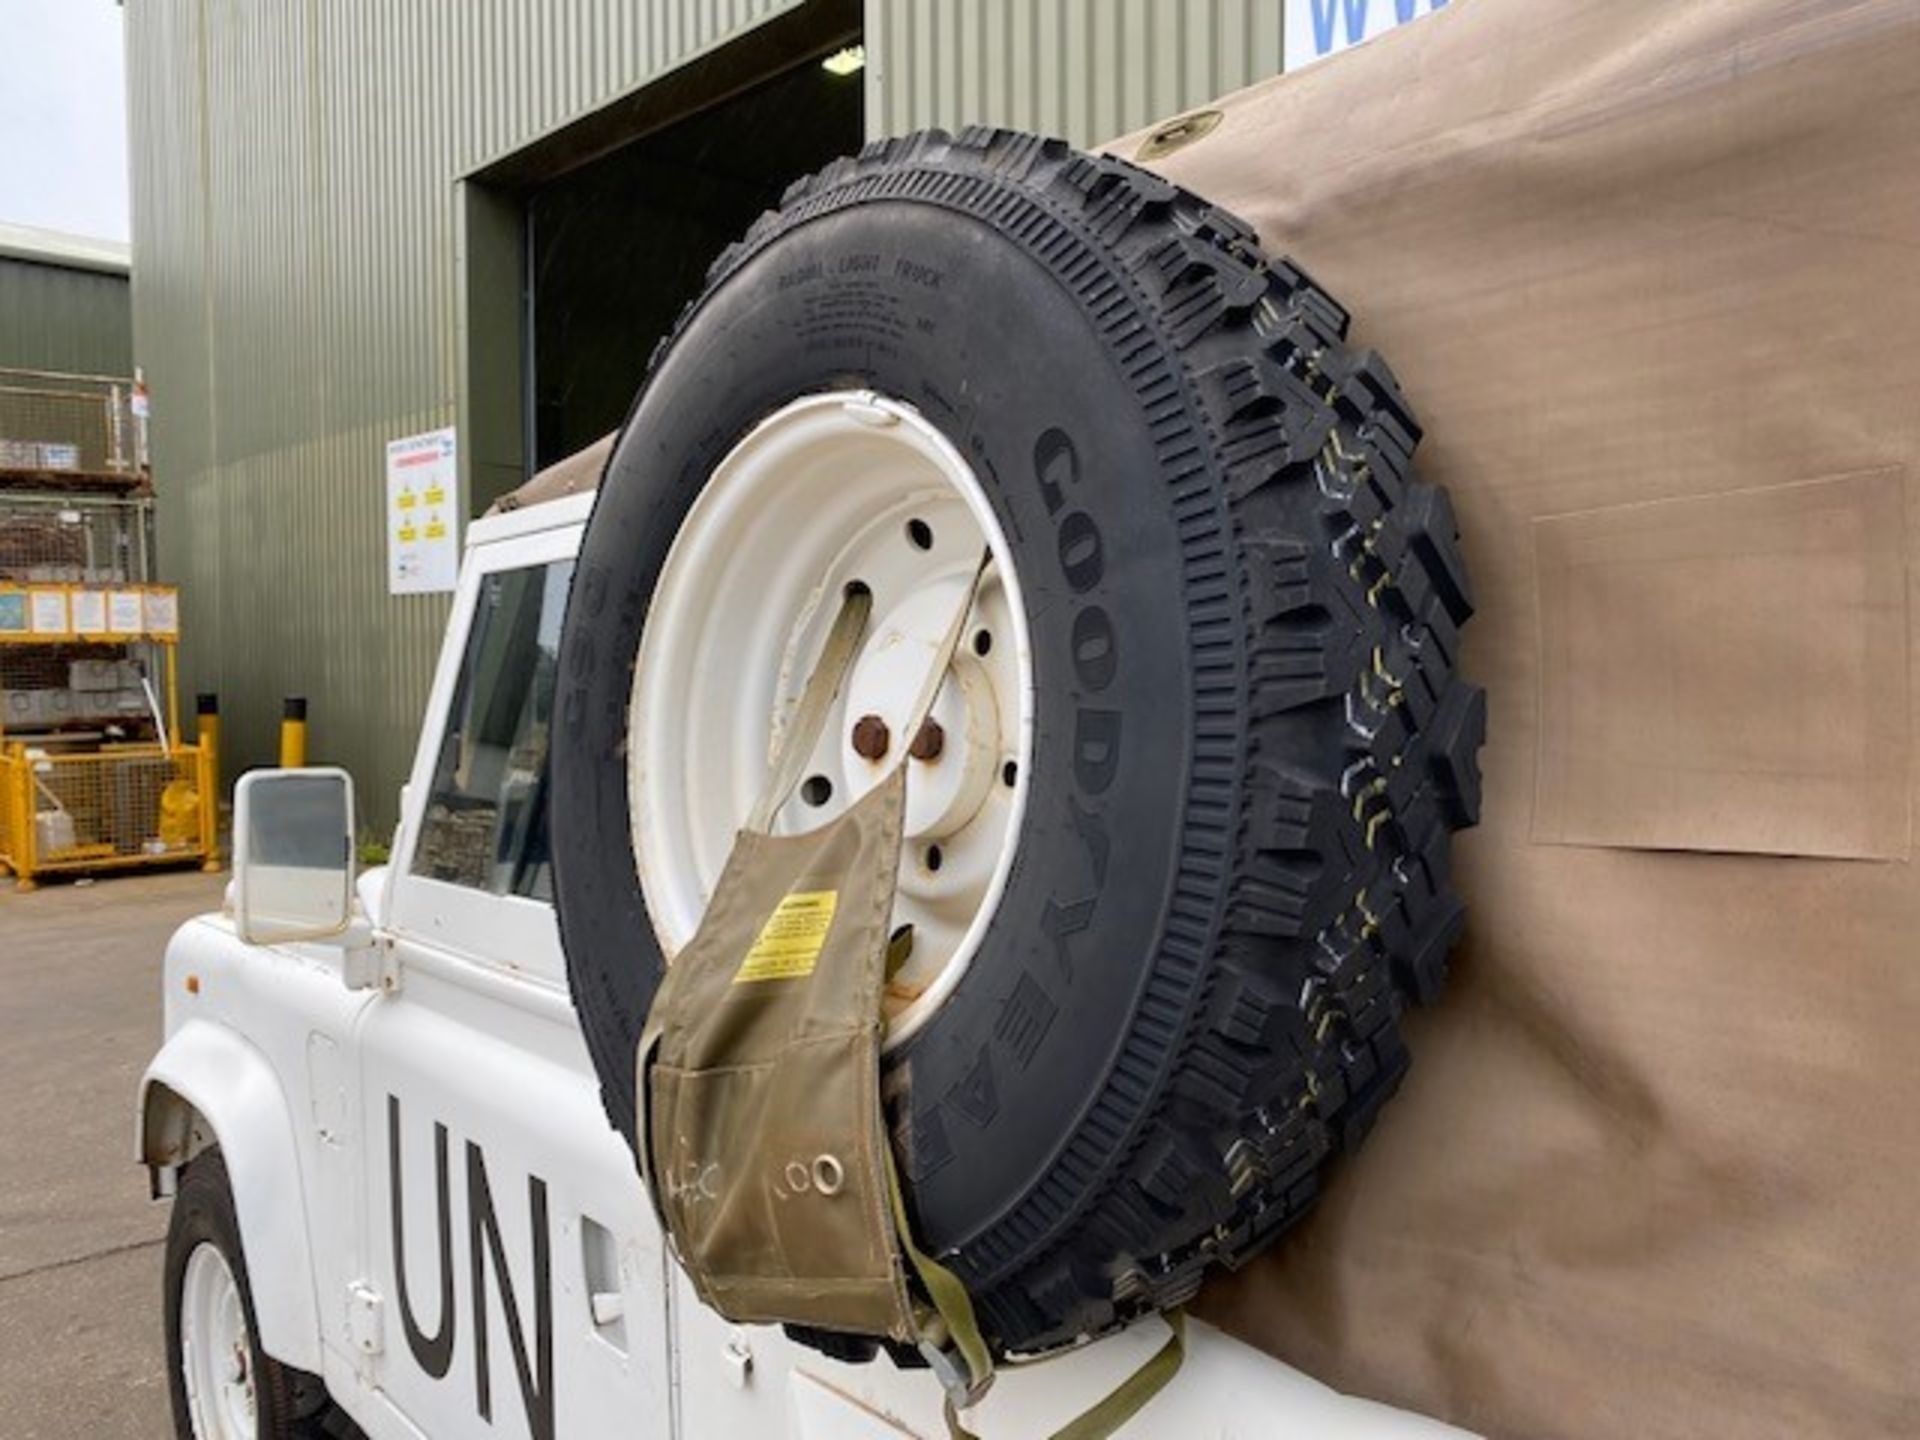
[292, 854]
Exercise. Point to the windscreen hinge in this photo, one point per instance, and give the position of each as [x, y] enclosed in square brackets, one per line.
[371, 966]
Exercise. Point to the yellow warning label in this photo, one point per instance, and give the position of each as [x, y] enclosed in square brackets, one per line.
[791, 940]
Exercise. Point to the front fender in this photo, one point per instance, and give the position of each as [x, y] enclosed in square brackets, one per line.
[206, 1079]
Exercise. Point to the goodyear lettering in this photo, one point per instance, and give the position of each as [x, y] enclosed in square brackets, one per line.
[1096, 749]
[1056, 465]
[1095, 651]
[1081, 558]
[1093, 657]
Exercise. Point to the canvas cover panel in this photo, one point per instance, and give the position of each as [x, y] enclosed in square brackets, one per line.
[1650, 273]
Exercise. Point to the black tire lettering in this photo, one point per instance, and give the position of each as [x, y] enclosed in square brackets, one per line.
[1056, 464]
[1096, 750]
[1093, 651]
[1081, 558]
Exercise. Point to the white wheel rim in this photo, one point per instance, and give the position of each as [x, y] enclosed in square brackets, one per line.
[216, 1352]
[825, 492]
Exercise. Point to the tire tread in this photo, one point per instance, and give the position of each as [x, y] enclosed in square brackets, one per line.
[1325, 591]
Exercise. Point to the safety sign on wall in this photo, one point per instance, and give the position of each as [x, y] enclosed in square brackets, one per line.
[1319, 28]
[423, 530]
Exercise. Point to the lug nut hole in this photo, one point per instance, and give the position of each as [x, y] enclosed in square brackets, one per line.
[1009, 773]
[982, 641]
[934, 857]
[920, 534]
[854, 589]
[816, 790]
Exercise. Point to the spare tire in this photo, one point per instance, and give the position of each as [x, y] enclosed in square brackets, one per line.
[1225, 754]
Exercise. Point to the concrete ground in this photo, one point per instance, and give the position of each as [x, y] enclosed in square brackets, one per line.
[80, 1346]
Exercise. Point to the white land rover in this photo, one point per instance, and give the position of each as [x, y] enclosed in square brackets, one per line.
[1174, 857]
[395, 1190]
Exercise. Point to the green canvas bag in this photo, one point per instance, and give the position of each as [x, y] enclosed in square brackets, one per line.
[765, 1147]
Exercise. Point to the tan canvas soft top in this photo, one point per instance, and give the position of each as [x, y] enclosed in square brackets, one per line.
[1650, 273]
[578, 474]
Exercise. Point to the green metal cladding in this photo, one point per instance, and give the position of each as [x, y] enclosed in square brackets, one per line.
[296, 295]
[58, 317]
[1084, 69]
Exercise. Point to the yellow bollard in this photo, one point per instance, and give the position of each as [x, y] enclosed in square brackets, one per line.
[206, 719]
[293, 733]
[24, 817]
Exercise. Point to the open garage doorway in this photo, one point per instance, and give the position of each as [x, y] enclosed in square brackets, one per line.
[576, 253]
[618, 246]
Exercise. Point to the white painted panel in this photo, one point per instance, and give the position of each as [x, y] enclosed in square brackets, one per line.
[1319, 28]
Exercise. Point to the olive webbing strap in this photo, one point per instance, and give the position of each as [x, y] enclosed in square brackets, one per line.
[950, 1298]
[948, 1294]
[1125, 1401]
[836, 657]
[1120, 1404]
[810, 715]
[943, 1287]
[936, 674]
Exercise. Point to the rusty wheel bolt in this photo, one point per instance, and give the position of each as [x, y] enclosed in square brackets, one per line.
[870, 737]
[928, 744]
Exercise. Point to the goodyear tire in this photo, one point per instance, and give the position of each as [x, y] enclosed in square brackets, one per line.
[1249, 741]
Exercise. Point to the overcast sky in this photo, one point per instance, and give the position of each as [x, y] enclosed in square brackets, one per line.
[63, 116]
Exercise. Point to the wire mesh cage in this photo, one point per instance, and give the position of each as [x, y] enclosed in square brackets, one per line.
[60, 426]
[91, 772]
[72, 565]
[96, 691]
[104, 808]
[75, 539]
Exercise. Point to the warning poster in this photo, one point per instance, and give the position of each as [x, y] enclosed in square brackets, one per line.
[423, 541]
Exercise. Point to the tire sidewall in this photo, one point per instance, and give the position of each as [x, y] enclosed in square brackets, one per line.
[203, 1213]
[941, 313]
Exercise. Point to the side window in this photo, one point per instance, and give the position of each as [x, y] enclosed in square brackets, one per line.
[485, 824]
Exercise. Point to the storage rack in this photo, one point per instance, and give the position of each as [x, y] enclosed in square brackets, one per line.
[93, 771]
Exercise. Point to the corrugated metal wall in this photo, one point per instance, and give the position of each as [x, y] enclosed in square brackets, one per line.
[295, 307]
[56, 318]
[296, 300]
[1087, 70]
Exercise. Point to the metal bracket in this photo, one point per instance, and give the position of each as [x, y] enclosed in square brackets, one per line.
[738, 1355]
[366, 1320]
[949, 1367]
[371, 966]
